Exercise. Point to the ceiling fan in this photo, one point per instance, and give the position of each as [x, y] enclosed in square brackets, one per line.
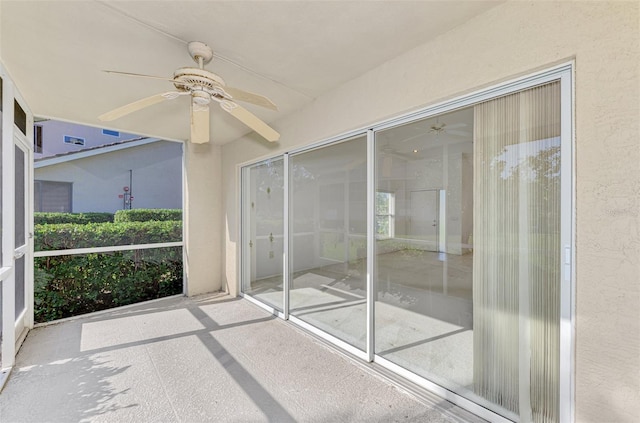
[203, 87]
[438, 128]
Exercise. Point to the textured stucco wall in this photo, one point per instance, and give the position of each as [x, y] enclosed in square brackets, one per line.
[202, 218]
[511, 40]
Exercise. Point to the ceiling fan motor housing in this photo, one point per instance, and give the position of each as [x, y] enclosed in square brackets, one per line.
[198, 49]
[185, 77]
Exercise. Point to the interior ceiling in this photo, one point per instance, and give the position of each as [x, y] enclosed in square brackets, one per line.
[291, 52]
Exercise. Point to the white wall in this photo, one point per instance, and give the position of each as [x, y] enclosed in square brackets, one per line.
[98, 180]
[510, 40]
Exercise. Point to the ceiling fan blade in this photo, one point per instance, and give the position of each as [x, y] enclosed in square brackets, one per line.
[139, 75]
[199, 123]
[252, 98]
[137, 105]
[251, 120]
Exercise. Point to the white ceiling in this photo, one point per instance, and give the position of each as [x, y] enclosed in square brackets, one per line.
[290, 51]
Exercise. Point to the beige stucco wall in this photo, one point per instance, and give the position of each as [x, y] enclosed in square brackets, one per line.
[202, 218]
[511, 40]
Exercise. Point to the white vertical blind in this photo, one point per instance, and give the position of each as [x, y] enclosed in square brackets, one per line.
[516, 278]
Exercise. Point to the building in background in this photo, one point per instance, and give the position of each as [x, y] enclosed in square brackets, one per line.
[86, 169]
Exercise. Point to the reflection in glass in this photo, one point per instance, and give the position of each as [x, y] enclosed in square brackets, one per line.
[328, 239]
[468, 284]
[516, 274]
[424, 259]
[263, 231]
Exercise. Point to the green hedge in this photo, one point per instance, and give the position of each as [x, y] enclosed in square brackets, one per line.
[41, 218]
[77, 284]
[67, 235]
[134, 215]
[71, 285]
[146, 215]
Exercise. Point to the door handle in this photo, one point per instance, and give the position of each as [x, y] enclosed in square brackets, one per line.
[18, 255]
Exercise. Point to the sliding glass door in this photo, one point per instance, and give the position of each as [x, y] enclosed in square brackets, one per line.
[263, 231]
[328, 215]
[479, 314]
[466, 271]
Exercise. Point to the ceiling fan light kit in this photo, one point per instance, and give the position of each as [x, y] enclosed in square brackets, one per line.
[203, 87]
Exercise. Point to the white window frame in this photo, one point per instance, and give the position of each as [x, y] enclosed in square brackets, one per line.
[38, 141]
[70, 139]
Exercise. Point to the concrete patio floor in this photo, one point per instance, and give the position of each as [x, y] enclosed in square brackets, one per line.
[208, 358]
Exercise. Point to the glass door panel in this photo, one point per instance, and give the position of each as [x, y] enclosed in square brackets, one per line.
[328, 239]
[424, 315]
[468, 283]
[263, 231]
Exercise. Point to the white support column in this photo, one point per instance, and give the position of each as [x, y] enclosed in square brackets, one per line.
[203, 219]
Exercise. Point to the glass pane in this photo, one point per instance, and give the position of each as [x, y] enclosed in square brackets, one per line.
[424, 310]
[468, 287]
[516, 274]
[328, 239]
[76, 284]
[263, 231]
[20, 279]
[20, 206]
[20, 117]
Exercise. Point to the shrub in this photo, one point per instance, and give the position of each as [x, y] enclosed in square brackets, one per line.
[42, 218]
[67, 235]
[146, 215]
[76, 284]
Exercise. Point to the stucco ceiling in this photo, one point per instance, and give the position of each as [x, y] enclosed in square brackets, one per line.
[290, 51]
